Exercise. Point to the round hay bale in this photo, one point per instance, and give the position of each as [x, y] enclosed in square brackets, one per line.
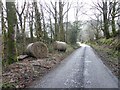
[55, 45]
[60, 46]
[37, 49]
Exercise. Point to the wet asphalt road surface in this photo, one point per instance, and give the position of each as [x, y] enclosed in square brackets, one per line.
[82, 69]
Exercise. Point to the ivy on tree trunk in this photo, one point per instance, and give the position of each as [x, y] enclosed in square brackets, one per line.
[11, 19]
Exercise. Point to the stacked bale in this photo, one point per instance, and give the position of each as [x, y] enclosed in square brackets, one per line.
[37, 49]
[60, 46]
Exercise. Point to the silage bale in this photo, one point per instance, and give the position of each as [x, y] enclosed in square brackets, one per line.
[37, 49]
[60, 46]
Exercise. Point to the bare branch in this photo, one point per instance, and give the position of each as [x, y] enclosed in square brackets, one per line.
[19, 14]
[23, 8]
[98, 7]
[50, 11]
[2, 6]
[69, 6]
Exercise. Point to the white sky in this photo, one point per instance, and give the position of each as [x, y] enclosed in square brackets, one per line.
[85, 9]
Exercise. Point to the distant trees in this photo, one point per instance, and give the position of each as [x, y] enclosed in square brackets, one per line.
[54, 14]
[96, 25]
[76, 26]
[57, 11]
[73, 33]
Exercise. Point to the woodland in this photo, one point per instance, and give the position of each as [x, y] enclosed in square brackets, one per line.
[49, 21]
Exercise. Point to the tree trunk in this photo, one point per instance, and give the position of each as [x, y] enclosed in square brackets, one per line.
[113, 27]
[23, 33]
[38, 23]
[31, 26]
[44, 26]
[105, 20]
[51, 29]
[17, 33]
[12, 20]
[113, 19]
[61, 28]
[4, 39]
[56, 26]
[66, 38]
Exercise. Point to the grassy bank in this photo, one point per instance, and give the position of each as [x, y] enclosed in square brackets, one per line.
[108, 50]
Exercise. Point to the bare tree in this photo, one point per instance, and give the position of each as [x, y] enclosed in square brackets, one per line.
[21, 18]
[61, 28]
[114, 12]
[58, 16]
[31, 21]
[77, 11]
[51, 29]
[118, 21]
[105, 19]
[96, 25]
[20, 14]
[4, 35]
[38, 25]
[61, 17]
[66, 32]
[11, 21]
[53, 11]
[45, 36]
[103, 8]
[109, 10]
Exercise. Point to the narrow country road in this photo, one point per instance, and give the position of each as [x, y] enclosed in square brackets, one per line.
[82, 69]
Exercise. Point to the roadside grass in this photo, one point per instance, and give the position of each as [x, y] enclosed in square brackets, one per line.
[108, 51]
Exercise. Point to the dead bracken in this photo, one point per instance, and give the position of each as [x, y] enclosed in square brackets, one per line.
[22, 73]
